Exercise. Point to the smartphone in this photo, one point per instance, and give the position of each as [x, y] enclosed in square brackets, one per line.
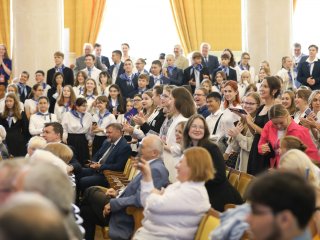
[307, 112]
[238, 110]
[235, 123]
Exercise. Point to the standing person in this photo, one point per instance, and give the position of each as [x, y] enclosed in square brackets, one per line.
[11, 88]
[101, 120]
[90, 69]
[269, 91]
[127, 81]
[244, 65]
[200, 96]
[213, 120]
[116, 102]
[180, 60]
[16, 124]
[117, 68]
[280, 125]
[208, 60]
[31, 105]
[125, 52]
[286, 74]
[5, 65]
[244, 81]
[38, 120]
[24, 89]
[79, 83]
[232, 62]
[157, 78]
[301, 103]
[309, 71]
[298, 57]
[174, 74]
[55, 90]
[59, 67]
[39, 77]
[76, 129]
[231, 74]
[104, 83]
[220, 191]
[288, 101]
[140, 66]
[103, 59]
[65, 102]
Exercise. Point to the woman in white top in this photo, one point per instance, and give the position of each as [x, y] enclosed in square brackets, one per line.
[79, 83]
[65, 102]
[175, 212]
[301, 101]
[244, 65]
[31, 105]
[244, 81]
[101, 120]
[76, 129]
[105, 82]
[12, 88]
[90, 94]
[37, 120]
[116, 103]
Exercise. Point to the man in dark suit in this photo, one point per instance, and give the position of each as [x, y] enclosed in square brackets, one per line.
[117, 68]
[80, 61]
[230, 73]
[195, 74]
[128, 81]
[210, 61]
[156, 77]
[309, 70]
[59, 67]
[23, 88]
[103, 59]
[112, 155]
[115, 203]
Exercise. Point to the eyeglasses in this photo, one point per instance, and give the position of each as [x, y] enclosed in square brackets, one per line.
[137, 100]
[249, 103]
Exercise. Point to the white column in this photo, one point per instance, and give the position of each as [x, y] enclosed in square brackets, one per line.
[37, 34]
[267, 29]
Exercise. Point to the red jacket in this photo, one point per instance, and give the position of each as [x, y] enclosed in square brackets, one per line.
[269, 134]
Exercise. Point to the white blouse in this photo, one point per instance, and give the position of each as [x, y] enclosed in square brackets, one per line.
[38, 120]
[78, 90]
[90, 99]
[60, 110]
[32, 105]
[73, 124]
[105, 92]
[103, 121]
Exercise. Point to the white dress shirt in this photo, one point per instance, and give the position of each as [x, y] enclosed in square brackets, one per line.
[103, 121]
[94, 73]
[212, 121]
[37, 122]
[60, 110]
[32, 105]
[78, 90]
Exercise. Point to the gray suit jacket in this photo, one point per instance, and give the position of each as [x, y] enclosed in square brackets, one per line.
[121, 224]
[80, 64]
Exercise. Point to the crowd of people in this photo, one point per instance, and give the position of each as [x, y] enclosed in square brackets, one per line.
[183, 123]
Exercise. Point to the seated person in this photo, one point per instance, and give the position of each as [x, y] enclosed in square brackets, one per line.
[171, 212]
[282, 204]
[110, 208]
[112, 155]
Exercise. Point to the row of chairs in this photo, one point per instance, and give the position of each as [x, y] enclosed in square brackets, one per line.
[239, 180]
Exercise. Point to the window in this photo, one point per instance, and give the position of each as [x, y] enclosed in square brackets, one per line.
[147, 26]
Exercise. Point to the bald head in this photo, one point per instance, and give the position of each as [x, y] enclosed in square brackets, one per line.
[151, 147]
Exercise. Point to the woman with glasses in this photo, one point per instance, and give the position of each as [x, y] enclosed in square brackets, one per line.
[244, 65]
[76, 129]
[281, 125]
[220, 191]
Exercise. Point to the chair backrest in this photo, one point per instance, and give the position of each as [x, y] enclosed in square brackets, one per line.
[137, 214]
[234, 177]
[129, 170]
[209, 222]
[244, 181]
[127, 166]
[132, 173]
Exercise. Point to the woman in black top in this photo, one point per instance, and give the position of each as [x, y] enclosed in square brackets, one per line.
[55, 91]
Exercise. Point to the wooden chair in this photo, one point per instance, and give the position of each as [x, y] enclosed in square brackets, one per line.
[234, 177]
[209, 222]
[137, 214]
[244, 181]
[126, 170]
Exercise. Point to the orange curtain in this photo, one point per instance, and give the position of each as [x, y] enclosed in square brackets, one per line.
[83, 18]
[5, 23]
[294, 5]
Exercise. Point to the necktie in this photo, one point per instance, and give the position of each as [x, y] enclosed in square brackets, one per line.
[80, 90]
[107, 154]
[290, 77]
[23, 90]
[89, 72]
[311, 67]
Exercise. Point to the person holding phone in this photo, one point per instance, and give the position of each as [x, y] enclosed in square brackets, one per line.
[280, 125]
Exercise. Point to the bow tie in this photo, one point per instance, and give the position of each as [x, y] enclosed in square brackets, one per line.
[90, 96]
[198, 67]
[42, 114]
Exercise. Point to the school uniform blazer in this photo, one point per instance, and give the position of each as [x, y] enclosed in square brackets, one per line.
[121, 70]
[121, 224]
[21, 95]
[232, 73]
[269, 134]
[127, 91]
[117, 158]
[163, 79]
[176, 78]
[212, 63]
[80, 64]
[304, 74]
[105, 61]
[188, 74]
[68, 76]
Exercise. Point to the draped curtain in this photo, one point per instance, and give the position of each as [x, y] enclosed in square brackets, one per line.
[188, 20]
[83, 18]
[5, 23]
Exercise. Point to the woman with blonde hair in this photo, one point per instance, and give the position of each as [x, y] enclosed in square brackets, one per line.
[35, 143]
[172, 211]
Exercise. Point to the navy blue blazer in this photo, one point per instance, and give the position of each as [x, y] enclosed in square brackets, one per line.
[121, 224]
[176, 78]
[105, 61]
[232, 74]
[68, 76]
[121, 70]
[188, 74]
[21, 94]
[212, 63]
[117, 159]
[304, 74]
[164, 81]
[127, 91]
